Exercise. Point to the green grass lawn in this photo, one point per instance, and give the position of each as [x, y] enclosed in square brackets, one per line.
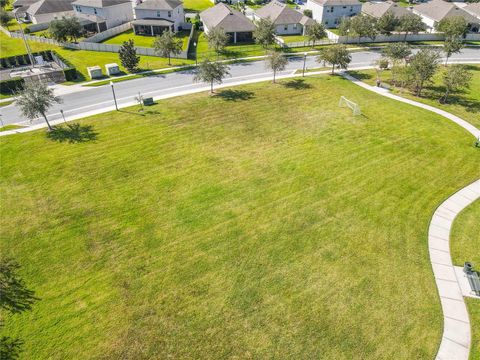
[266, 222]
[465, 105]
[145, 41]
[465, 245]
[465, 234]
[81, 59]
[197, 5]
[294, 38]
[231, 51]
[473, 306]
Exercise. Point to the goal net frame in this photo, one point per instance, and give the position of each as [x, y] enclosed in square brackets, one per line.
[344, 102]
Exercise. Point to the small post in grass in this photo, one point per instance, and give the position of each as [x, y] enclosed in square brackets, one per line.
[304, 63]
[114, 97]
[63, 116]
[139, 99]
[196, 55]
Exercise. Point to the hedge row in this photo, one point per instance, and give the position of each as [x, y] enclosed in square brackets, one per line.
[11, 86]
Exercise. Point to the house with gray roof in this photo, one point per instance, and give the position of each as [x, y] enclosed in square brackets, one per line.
[153, 17]
[473, 9]
[21, 6]
[377, 9]
[331, 12]
[233, 22]
[434, 11]
[105, 14]
[287, 21]
[44, 11]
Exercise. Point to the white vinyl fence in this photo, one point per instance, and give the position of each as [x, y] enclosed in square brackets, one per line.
[306, 43]
[395, 38]
[91, 46]
[109, 33]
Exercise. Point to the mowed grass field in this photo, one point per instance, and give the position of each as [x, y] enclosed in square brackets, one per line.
[465, 246]
[262, 223]
[145, 41]
[465, 104]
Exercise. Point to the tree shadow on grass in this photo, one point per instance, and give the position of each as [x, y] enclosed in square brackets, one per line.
[10, 348]
[297, 84]
[72, 133]
[360, 76]
[235, 95]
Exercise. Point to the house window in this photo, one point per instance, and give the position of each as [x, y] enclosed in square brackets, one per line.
[95, 11]
[344, 7]
[169, 14]
[331, 9]
[158, 13]
[295, 26]
[326, 22]
[285, 27]
[351, 8]
[78, 8]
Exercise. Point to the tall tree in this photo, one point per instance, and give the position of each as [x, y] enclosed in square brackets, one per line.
[363, 26]
[264, 33]
[396, 53]
[335, 55]
[452, 45]
[128, 56]
[167, 45]
[276, 61]
[455, 78]
[315, 32]
[411, 23]
[66, 28]
[344, 27]
[424, 65]
[217, 39]
[35, 100]
[387, 23]
[5, 18]
[211, 72]
[455, 26]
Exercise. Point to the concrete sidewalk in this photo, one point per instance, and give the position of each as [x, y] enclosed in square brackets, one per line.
[456, 338]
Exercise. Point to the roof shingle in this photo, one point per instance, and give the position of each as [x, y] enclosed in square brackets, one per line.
[230, 20]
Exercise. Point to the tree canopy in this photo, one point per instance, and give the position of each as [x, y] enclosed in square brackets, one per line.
[455, 78]
[424, 65]
[211, 72]
[167, 45]
[276, 61]
[315, 32]
[66, 28]
[128, 56]
[264, 33]
[217, 39]
[335, 55]
[454, 26]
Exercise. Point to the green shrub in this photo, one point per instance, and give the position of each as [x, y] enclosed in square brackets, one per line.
[10, 86]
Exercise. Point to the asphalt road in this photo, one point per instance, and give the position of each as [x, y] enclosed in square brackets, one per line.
[87, 100]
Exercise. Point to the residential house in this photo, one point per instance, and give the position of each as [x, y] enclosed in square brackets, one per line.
[287, 21]
[232, 21]
[434, 11]
[104, 14]
[153, 17]
[44, 11]
[473, 9]
[377, 9]
[21, 6]
[331, 12]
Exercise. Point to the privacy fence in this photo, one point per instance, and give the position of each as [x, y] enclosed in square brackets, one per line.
[92, 43]
[395, 37]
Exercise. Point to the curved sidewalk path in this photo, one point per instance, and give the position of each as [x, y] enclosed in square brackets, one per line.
[456, 338]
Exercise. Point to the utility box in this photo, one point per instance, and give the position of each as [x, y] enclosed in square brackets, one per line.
[112, 69]
[148, 101]
[95, 72]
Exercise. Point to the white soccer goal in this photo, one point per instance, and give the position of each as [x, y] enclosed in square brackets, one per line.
[350, 104]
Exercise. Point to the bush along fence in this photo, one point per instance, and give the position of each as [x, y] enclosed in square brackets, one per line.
[9, 86]
[90, 45]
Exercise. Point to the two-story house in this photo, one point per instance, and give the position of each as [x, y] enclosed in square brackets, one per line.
[105, 13]
[331, 12]
[153, 17]
[287, 21]
[44, 11]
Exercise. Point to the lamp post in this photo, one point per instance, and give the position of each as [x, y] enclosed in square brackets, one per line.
[304, 63]
[63, 116]
[195, 46]
[114, 98]
[27, 47]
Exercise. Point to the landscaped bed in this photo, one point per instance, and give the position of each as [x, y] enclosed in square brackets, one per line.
[265, 222]
[465, 104]
[145, 41]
